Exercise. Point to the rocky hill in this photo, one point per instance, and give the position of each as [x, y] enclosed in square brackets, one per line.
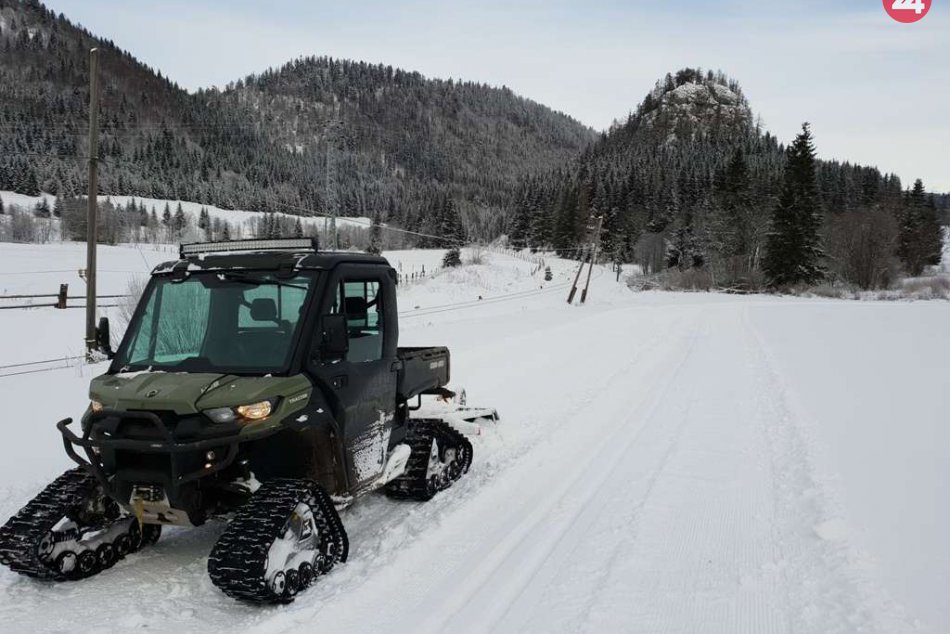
[687, 179]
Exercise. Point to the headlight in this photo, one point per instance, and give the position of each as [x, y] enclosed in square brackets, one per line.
[254, 411]
[244, 413]
[95, 406]
[221, 414]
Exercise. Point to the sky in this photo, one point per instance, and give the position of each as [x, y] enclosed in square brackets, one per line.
[875, 91]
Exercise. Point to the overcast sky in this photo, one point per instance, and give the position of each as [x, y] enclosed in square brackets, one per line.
[876, 92]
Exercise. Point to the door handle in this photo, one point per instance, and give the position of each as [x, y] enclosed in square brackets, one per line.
[339, 381]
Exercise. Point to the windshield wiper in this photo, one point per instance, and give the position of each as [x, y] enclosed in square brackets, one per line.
[244, 278]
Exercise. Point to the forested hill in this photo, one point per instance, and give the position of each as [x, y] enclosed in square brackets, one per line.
[399, 143]
[690, 182]
[394, 136]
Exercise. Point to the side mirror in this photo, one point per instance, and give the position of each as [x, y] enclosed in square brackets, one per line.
[103, 338]
[334, 341]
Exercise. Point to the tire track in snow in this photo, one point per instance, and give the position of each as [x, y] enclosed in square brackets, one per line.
[530, 542]
[679, 538]
[842, 597]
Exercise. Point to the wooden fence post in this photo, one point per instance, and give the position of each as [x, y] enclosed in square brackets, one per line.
[61, 298]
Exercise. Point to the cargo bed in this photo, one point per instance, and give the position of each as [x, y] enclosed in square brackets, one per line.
[423, 369]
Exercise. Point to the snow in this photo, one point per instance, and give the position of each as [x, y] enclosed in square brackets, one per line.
[192, 209]
[664, 462]
[878, 410]
[689, 91]
[31, 269]
[22, 200]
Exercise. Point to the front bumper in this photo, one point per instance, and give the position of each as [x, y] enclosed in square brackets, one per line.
[125, 449]
[94, 444]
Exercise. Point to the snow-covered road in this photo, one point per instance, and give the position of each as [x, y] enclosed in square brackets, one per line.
[655, 470]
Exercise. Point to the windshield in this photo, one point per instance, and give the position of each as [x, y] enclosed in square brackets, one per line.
[235, 322]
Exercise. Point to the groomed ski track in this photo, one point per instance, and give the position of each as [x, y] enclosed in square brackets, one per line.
[650, 474]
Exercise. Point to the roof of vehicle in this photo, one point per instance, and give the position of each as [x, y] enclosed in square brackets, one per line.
[267, 260]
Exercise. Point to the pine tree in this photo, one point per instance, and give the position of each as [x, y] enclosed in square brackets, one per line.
[520, 227]
[58, 205]
[540, 232]
[167, 216]
[450, 223]
[28, 183]
[375, 236]
[180, 222]
[298, 229]
[453, 257]
[683, 253]
[42, 208]
[565, 235]
[793, 251]
[920, 237]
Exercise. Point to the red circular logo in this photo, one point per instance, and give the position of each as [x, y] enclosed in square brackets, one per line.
[907, 11]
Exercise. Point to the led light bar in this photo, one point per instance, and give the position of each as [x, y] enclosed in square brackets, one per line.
[282, 244]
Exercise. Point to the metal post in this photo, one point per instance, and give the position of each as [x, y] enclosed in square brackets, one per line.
[62, 296]
[593, 256]
[91, 220]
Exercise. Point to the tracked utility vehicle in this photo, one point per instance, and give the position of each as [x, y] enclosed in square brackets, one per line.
[258, 382]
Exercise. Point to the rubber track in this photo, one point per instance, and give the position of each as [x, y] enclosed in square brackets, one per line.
[412, 484]
[21, 535]
[237, 563]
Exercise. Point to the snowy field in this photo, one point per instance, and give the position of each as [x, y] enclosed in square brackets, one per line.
[236, 217]
[665, 463]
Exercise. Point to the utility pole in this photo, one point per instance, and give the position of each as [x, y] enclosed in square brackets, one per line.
[593, 256]
[91, 220]
[570, 296]
[326, 194]
[580, 269]
[330, 186]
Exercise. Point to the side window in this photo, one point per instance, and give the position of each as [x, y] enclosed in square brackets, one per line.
[362, 303]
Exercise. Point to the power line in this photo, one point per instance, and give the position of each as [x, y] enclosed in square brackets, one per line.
[313, 212]
[28, 363]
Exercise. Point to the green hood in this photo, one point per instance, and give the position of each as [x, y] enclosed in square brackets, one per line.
[186, 393]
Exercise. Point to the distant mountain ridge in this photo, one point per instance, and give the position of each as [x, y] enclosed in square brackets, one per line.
[430, 156]
[399, 143]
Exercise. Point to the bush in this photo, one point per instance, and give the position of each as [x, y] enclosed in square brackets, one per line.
[452, 258]
[688, 280]
[926, 288]
[827, 290]
[22, 227]
[476, 254]
[673, 280]
[134, 290]
[861, 247]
